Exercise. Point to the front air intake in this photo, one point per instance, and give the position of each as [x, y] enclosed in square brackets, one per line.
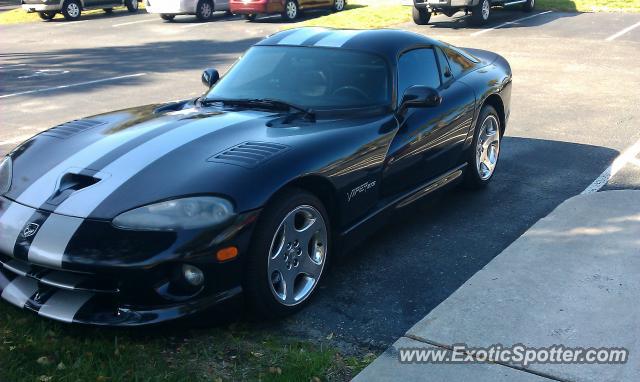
[249, 154]
[67, 129]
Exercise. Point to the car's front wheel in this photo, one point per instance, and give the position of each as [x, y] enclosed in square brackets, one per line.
[483, 158]
[47, 15]
[420, 16]
[132, 5]
[481, 12]
[290, 10]
[107, 10]
[289, 253]
[71, 10]
[529, 5]
[166, 17]
[338, 5]
[204, 10]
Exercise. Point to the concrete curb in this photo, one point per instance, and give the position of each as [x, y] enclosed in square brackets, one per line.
[571, 279]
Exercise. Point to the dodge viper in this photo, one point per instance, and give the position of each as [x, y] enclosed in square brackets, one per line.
[305, 146]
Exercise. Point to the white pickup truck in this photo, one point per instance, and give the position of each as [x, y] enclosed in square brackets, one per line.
[480, 9]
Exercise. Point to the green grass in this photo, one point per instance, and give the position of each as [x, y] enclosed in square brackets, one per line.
[18, 16]
[36, 349]
[590, 5]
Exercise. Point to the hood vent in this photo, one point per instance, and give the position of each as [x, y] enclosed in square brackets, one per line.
[68, 129]
[249, 154]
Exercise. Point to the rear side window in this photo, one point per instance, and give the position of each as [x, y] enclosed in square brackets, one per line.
[458, 63]
[445, 70]
[417, 67]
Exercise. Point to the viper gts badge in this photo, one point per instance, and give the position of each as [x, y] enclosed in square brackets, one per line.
[360, 189]
[30, 230]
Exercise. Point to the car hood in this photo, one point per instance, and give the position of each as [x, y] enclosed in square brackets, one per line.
[101, 166]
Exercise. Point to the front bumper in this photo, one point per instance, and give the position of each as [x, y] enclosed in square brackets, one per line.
[438, 4]
[40, 7]
[256, 7]
[102, 275]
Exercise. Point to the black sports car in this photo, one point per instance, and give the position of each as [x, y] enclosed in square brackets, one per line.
[158, 212]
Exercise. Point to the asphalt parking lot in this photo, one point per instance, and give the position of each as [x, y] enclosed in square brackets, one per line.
[575, 108]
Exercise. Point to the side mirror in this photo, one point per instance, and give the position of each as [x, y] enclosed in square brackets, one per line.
[420, 96]
[210, 77]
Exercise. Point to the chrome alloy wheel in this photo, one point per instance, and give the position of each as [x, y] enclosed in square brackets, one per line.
[486, 8]
[488, 147]
[292, 10]
[207, 10]
[297, 255]
[339, 5]
[73, 10]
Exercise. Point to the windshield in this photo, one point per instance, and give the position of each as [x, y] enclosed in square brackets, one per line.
[314, 78]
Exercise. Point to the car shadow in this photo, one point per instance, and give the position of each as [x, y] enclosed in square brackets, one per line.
[498, 17]
[117, 13]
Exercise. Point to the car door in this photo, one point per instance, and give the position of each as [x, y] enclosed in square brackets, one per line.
[429, 140]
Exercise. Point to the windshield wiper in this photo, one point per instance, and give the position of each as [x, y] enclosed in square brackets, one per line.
[265, 103]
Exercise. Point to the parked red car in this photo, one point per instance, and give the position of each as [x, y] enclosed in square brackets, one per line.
[289, 9]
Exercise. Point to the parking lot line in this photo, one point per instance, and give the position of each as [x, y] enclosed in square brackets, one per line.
[72, 85]
[625, 30]
[509, 23]
[133, 22]
[69, 23]
[627, 156]
[194, 25]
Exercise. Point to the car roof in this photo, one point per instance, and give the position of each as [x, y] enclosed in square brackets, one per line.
[387, 42]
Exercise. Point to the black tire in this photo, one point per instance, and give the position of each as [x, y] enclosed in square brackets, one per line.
[166, 17]
[338, 5]
[107, 10]
[250, 17]
[478, 17]
[420, 16]
[204, 10]
[257, 281]
[132, 5]
[291, 10]
[228, 13]
[71, 10]
[47, 15]
[529, 5]
[472, 177]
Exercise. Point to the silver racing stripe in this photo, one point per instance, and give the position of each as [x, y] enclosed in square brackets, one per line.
[64, 305]
[298, 37]
[337, 39]
[51, 240]
[83, 202]
[20, 290]
[12, 222]
[42, 188]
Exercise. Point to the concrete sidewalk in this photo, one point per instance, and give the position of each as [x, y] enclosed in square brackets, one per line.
[572, 279]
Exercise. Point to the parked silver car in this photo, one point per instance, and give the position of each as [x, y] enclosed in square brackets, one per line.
[202, 9]
[72, 9]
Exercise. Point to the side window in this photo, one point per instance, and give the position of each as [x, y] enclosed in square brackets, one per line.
[417, 67]
[459, 63]
[445, 70]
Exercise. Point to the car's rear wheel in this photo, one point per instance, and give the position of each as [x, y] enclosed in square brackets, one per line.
[483, 158]
[250, 17]
[420, 16]
[71, 10]
[132, 5]
[289, 252]
[338, 5]
[47, 15]
[166, 17]
[204, 10]
[290, 10]
[481, 12]
[107, 10]
[529, 5]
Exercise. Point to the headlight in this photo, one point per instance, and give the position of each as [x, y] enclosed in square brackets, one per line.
[171, 215]
[6, 173]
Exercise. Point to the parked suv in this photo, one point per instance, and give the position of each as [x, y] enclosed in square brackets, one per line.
[202, 9]
[289, 9]
[71, 9]
[480, 9]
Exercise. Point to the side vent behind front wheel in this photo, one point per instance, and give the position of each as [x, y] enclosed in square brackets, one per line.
[249, 154]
